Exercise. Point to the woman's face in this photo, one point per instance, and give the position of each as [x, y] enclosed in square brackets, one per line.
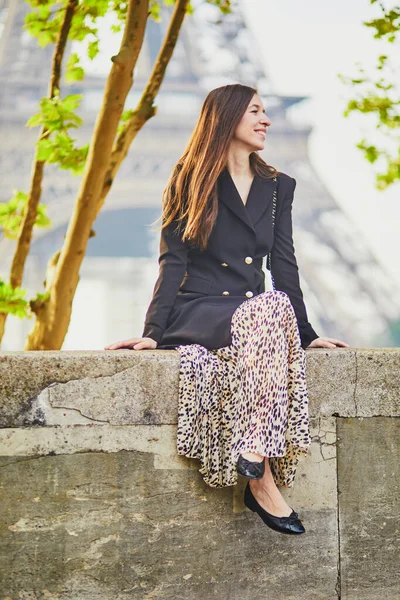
[252, 127]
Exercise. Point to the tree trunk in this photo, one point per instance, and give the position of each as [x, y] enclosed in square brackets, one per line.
[52, 319]
[3, 317]
[35, 191]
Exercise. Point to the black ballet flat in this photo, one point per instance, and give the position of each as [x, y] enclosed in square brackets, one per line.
[290, 524]
[252, 470]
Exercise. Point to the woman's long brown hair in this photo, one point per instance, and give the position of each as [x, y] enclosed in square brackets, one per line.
[190, 197]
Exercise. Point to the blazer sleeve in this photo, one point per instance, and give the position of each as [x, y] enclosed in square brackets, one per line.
[172, 267]
[284, 267]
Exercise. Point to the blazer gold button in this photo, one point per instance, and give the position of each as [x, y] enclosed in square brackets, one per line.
[225, 293]
[249, 294]
[248, 260]
[224, 265]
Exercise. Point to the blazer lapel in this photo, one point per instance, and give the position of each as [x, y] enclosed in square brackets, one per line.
[260, 198]
[228, 194]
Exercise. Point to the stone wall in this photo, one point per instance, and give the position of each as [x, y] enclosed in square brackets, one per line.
[96, 504]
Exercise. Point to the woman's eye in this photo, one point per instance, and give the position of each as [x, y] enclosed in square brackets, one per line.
[254, 111]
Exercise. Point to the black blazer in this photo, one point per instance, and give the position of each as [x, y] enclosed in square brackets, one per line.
[197, 292]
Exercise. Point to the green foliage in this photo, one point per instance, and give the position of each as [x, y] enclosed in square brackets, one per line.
[155, 7]
[223, 5]
[155, 10]
[389, 23]
[11, 214]
[60, 149]
[74, 71]
[12, 301]
[93, 49]
[57, 116]
[45, 20]
[379, 96]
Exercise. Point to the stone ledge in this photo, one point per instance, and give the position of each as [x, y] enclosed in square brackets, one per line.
[141, 388]
[97, 503]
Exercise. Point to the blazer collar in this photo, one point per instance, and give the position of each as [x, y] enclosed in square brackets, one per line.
[259, 198]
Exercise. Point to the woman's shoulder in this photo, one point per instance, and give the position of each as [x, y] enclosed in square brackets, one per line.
[285, 179]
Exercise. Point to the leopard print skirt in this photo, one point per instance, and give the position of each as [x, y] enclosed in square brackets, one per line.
[250, 396]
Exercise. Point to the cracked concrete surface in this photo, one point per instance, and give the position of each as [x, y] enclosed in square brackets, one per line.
[97, 504]
[369, 508]
[157, 371]
[64, 388]
[71, 439]
[97, 525]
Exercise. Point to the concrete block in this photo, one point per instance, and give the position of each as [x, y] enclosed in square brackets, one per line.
[377, 390]
[113, 387]
[110, 526]
[126, 387]
[369, 508]
[331, 380]
[41, 441]
[315, 483]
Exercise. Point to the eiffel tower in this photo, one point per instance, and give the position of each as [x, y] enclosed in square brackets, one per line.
[347, 292]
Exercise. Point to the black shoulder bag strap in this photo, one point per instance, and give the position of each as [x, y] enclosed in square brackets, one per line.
[274, 197]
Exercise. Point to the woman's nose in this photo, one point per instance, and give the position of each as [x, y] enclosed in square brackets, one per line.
[265, 120]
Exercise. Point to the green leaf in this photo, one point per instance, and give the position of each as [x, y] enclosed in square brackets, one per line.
[223, 5]
[42, 220]
[71, 102]
[46, 37]
[41, 298]
[60, 149]
[11, 214]
[126, 115]
[12, 301]
[155, 10]
[371, 152]
[74, 71]
[44, 149]
[93, 49]
[44, 11]
[35, 120]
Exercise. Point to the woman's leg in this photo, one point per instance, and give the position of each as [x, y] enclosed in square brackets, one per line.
[272, 389]
[267, 493]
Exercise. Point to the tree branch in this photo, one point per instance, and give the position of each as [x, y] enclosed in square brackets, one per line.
[145, 108]
[30, 214]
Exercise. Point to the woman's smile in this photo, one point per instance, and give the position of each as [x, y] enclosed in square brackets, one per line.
[261, 132]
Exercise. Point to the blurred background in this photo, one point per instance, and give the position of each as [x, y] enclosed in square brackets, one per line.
[345, 231]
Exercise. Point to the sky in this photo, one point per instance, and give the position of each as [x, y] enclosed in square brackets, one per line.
[303, 46]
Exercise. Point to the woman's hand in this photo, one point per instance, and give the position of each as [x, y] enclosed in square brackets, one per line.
[327, 342]
[145, 343]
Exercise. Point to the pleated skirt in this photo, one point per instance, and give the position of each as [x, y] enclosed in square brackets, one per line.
[250, 396]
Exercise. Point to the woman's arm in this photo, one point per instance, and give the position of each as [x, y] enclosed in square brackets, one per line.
[172, 261]
[284, 265]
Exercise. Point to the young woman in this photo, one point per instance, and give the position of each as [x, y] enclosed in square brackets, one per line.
[243, 405]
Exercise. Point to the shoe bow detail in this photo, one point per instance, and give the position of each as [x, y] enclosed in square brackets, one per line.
[290, 524]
